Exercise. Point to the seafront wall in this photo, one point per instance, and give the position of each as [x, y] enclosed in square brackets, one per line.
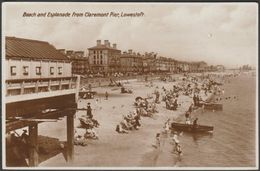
[101, 82]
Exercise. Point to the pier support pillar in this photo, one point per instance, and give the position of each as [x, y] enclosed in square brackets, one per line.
[33, 150]
[70, 137]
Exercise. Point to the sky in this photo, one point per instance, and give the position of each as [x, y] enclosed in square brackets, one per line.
[217, 33]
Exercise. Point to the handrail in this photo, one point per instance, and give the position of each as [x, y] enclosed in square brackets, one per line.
[39, 79]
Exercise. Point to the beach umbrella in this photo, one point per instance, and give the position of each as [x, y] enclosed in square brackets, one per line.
[138, 98]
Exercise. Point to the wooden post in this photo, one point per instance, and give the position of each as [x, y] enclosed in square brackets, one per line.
[70, 137]
[49, 85]
[77, 88]
[36, 86]
[70, 83]
[22, 87]
[33, 151]
[60, 83]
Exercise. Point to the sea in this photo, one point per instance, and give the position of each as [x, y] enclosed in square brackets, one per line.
[233, 141]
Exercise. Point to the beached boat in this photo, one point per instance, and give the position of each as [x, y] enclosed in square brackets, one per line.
[213, 106]
[190, 128]
[87, 94]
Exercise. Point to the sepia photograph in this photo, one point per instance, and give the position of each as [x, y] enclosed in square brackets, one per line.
[147, 85]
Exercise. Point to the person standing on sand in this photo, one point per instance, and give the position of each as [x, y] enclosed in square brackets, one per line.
[190, 108]
[187, 118]
[89, 111]
[157, 141]
[106, 94]
[195, 123]
[167, 126]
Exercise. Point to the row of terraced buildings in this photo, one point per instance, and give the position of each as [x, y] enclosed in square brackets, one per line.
[106, 59]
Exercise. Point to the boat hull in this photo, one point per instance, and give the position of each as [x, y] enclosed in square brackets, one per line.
[191, 128]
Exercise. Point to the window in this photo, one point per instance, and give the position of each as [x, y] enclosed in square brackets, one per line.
[13, 70]
[38, 71]
[97, 59]
[94, 60]
[94, 52]
[59, 70]
[51, 70]
[25, 70]
[101, 59]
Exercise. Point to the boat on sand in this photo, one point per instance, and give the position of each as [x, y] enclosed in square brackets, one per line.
[190, 128]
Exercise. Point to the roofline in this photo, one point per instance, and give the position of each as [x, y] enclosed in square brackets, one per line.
[37, 59]
[37, 41]
[32, 40]
[105, 48]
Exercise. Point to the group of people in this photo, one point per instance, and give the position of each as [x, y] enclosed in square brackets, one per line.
[171, 98]
[197, 100]
[129, 122]
[125, 90]
[144, 107]
[174, 140]
[88, 123]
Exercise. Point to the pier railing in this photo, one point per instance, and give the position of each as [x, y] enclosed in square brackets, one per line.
[28, 89]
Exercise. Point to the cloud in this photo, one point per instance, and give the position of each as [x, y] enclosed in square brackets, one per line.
[177, 30]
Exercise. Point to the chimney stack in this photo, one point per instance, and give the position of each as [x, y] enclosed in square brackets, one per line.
[69, 52]
[130, 51]
[62, 51]
[79, 53]
[98, 42]
[106, 43]
[114, 46]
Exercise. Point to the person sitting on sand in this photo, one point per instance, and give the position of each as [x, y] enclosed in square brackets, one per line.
[175, 104]
[120, 129]
[127, 123]
[137, 119]
[91, 133]
[79, 140]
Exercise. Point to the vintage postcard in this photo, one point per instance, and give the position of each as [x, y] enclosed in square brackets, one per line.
[91, 85]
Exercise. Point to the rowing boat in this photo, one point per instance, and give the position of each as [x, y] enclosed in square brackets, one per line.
[211, 106]
[190, 128]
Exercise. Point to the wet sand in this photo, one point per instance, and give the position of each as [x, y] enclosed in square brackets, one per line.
[119, 150]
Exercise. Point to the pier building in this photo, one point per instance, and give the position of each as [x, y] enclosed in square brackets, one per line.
[39, 86]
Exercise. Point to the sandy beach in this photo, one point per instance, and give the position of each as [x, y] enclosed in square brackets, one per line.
[113, 149]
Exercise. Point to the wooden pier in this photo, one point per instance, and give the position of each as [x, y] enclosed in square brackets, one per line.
[26, 106]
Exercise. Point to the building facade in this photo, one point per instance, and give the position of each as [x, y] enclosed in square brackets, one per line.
[149, 62]
[131, 62]
[38, 85]
[79, 61]
[23, 62]
[104, 58]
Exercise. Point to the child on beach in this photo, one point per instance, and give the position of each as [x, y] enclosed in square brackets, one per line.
[176, 144]
[166, 126]
[157, 141]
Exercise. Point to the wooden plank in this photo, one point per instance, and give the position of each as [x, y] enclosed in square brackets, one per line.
[13, 125]
[31, 107]
[39, 120]
[33, 150]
